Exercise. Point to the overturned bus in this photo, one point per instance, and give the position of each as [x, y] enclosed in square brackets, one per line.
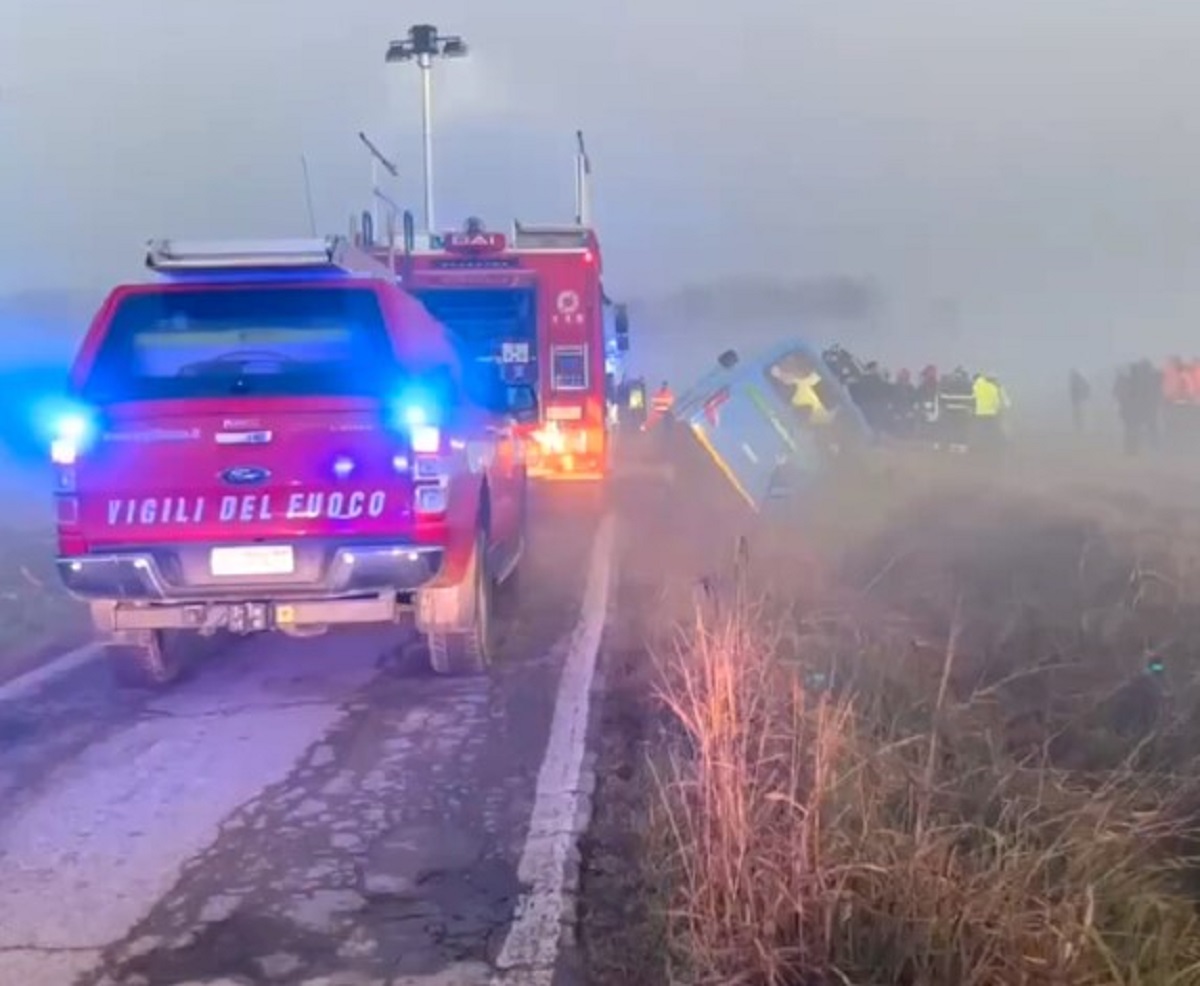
[744, 419]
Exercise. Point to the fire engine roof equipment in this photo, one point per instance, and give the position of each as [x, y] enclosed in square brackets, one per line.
[528, 237]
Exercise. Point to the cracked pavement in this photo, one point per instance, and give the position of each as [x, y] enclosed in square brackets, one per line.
[316, 811]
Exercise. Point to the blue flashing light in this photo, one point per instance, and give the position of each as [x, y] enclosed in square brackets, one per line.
[412, 408]
[416, 415]
[74, 427]
[71, 431]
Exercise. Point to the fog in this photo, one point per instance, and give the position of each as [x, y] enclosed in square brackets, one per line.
[1017, 178]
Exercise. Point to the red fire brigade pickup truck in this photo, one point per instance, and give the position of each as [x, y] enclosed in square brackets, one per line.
[275, 436]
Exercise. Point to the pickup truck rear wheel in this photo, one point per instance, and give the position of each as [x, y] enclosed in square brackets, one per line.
[146, 660]
[468, 651]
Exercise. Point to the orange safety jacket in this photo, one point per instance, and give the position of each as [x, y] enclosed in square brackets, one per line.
[662, 402]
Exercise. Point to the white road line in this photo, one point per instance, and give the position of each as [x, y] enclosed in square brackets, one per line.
[25, 684]
[547, 866]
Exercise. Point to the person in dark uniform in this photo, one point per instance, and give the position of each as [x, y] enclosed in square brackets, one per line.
[905, 404]
[956, 409]
[927, 404]
[1080, 392]
[1138, 392]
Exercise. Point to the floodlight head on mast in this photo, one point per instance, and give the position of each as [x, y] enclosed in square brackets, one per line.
[424, 41]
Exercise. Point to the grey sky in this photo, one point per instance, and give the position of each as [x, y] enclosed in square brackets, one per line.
[1037, 161]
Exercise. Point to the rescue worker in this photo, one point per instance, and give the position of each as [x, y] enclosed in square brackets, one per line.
[660, 405]
[956, 409]
[1187, 412]
[794, 371]
[1191, 379]
[1127, 410]
[905, 404]
[637, 403]
[872, 393]
[1175, 380]
[990, 404]
[1138, 392]
[1080, 392]
[927, 399]
[842, 364]
[1149, 387]
[1175, 394]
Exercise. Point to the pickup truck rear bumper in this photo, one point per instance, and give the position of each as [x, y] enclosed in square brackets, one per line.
[182, 574]
[332, 584]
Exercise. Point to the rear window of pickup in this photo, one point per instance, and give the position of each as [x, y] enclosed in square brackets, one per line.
[243, 341]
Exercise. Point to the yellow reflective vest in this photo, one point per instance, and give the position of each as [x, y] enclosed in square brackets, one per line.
[805, 396]
[990, 398]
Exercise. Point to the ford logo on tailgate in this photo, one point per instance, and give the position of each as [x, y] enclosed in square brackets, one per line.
[246, 475]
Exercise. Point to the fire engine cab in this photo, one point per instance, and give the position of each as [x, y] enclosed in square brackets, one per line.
[275, 436]
[529, 306]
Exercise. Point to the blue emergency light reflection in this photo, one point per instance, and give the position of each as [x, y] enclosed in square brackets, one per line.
[416, 417]
[74, 427]
[411, 410]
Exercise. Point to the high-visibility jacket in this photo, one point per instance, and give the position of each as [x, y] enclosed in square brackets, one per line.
[660, 404]
[1192, 383]
[662, 401]
[990, 398]
[804, 396]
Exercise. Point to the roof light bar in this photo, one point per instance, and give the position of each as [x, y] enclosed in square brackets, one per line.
[330, 253]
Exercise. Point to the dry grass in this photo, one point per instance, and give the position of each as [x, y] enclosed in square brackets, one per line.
[37, 617]
[968, 759]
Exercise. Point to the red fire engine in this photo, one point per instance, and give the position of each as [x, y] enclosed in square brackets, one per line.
[530, 305]
[530, 308]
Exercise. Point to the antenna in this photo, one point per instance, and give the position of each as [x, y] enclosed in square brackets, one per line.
[378, 159]
[312, 215]
[583, 181]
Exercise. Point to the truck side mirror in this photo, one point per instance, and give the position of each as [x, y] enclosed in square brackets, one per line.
[621, 325]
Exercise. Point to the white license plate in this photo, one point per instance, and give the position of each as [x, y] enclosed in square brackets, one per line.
[256, 559]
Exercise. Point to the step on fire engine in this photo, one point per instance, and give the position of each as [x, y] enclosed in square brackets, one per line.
[531, 307]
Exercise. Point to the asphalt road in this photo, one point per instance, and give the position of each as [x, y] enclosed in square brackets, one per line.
[318, 811]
